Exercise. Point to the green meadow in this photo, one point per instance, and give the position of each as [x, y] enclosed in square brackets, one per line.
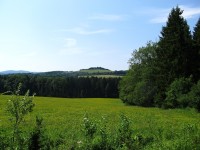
[64, 117]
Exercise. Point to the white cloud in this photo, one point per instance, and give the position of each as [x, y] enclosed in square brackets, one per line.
[70, 47]
[161, 15]
[190, 12]
[107, 17]
[159, 19]
[70, 42]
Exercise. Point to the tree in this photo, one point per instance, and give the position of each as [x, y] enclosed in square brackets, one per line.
[137, 87]
[196, 56]
[176, 96]
[174, 52]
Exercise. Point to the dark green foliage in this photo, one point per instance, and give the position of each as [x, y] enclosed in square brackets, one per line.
[4, 139]
[63, 86]
[158, 72]
[194, 96]
[37, 136]
[196, 46]
[174, 52]
[39, 139]
[183, 93]
[177, 93]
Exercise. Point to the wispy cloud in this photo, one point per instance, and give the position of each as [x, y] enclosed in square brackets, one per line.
[70, 47]
[161, 15]
[107, 17]
[84, 31]
[70, 42]
[190, 12]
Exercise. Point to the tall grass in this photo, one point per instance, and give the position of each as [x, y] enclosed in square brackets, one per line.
[63, 119]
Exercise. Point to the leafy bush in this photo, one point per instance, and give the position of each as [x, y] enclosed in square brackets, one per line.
[99, 137]
[39, 138]
[138, 86]
[4, 139]
[18, 107]
[143, 94]
[176, 96]
[194, 96]
[124, 133]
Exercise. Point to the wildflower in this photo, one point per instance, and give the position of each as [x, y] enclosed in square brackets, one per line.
[79, 143]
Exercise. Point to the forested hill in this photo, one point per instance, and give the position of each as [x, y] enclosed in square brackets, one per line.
[93, 71]
[92, 82]
[96, 70]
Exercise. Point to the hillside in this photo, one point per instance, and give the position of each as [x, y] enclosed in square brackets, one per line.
[14, 72]
[96, 70]
[93, 71]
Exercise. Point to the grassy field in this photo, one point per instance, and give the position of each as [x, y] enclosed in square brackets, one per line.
[95, 71]
[103, 76]
[64, 116]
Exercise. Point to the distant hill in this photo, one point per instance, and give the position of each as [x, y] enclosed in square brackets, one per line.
[96, 70]
[90, 72]
[14, 72]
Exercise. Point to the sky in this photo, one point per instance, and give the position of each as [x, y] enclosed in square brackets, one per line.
[69, 35]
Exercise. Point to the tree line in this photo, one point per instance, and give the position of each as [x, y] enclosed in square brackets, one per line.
[62, 86]
[82, 73]
[166, 73]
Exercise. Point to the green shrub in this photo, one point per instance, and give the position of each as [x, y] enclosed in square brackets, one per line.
[37, 136]
[143, 94]
[194, 96]
[18, 107]
[4, 139]
[124, 133]
[98, 137]
[176, 96]
[39, 139]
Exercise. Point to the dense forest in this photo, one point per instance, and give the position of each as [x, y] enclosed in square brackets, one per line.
[166, 73]
[61, 86]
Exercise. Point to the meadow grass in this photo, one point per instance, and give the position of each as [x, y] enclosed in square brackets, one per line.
[103, 76]
[90, 71]
[64, 116]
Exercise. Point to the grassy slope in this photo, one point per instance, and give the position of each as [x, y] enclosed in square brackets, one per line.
[66, 115]
[103, 76]
[93, 71]
[90, 71]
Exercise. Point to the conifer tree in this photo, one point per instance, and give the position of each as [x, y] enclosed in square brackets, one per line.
[174, 52]
[196, 44]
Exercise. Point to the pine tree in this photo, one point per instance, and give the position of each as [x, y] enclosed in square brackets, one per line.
[196, 44]
[173, 54]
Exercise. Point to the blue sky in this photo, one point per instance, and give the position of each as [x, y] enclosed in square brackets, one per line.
[68, 35]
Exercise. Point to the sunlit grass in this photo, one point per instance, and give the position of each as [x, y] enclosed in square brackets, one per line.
[65, 115]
